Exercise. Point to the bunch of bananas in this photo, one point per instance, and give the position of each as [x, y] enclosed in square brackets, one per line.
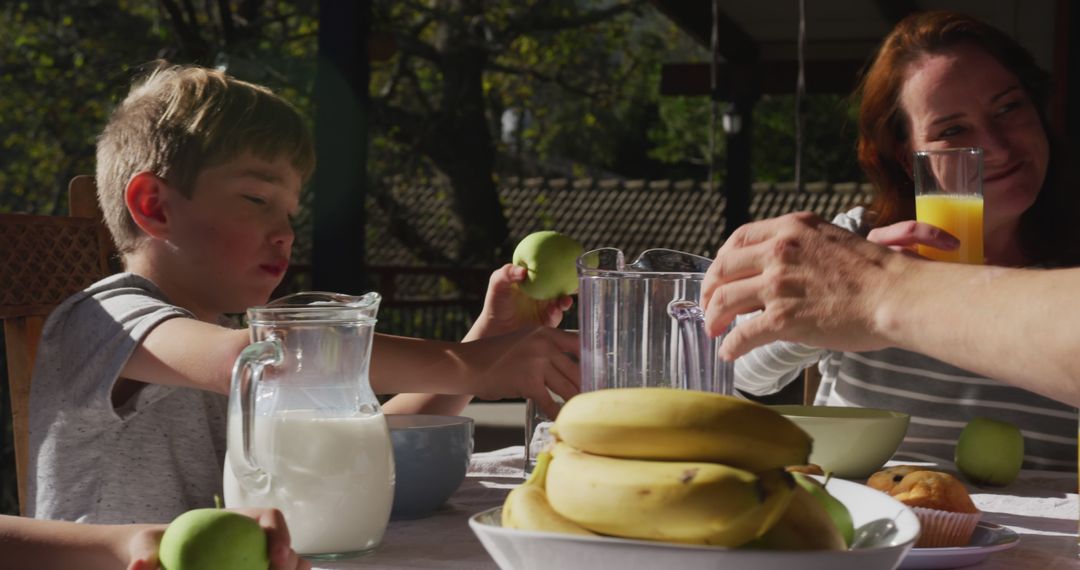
[669, 465]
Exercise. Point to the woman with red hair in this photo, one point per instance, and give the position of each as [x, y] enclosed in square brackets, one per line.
[943, 80]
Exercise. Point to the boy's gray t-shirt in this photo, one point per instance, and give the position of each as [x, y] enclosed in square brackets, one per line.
[148, 460]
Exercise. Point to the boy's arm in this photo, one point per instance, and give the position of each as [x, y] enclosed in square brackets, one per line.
[523, 364]
[506, 309]
[186, 352]
[31, 543]
[44, 545]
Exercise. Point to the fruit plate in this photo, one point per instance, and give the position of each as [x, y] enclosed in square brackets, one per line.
[987, 539]
[514, 549]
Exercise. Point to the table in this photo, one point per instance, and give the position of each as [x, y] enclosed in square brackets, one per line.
[1042, 506]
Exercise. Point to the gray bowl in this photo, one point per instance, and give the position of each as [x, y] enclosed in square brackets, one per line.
[431, 456]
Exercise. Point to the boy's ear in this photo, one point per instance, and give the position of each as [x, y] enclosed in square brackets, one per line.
[145, 197]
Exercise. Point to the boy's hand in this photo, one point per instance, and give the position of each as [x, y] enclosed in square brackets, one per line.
[507, 308]
[144, 539]
[526, 363]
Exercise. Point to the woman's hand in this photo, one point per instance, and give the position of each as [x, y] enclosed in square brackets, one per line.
[816, 283]
[904, 236]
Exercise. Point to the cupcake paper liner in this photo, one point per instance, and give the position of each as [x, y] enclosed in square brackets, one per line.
[944, 528]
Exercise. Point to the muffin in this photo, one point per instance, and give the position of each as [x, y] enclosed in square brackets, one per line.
[939, 500]
[890, 477]
[809, 469]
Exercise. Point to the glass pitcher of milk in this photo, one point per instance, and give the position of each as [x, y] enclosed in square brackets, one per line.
[306, 434]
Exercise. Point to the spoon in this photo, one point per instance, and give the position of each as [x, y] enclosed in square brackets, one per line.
[874, 533]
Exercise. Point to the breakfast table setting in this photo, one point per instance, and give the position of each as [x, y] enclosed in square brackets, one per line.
[657, 463]
[1041, 508]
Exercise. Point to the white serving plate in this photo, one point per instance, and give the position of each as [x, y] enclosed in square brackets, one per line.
[987, 539]
[527, 550]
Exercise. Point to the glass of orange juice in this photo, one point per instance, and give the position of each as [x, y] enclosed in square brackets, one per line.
[948, 194]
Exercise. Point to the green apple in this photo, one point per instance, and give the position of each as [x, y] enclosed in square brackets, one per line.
[213, 539]
[839, 513]
[551, 259]
[990, 452]
[804, 525]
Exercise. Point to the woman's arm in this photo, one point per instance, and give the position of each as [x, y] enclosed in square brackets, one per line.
[824, 286]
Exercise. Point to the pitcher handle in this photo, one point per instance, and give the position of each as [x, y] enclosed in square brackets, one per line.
[255, 357]
[698, 360]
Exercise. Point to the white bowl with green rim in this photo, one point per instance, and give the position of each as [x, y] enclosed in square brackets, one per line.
[850, 442]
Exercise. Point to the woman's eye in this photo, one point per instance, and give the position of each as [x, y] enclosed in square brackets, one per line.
[255, 200]
[951, 131]
[1008, 107]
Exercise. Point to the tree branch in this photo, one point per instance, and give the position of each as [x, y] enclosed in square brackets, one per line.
[556, 79]
[408, 43]
[227, 27]
[190, 40]
[409, 128]
[537, 22]
[190, 11]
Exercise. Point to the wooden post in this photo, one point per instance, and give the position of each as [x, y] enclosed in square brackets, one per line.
[341, 122]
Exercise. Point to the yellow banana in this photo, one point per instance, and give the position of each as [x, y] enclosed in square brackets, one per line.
[805, 525]
[696, 503]
[527, 508]
[681, 425]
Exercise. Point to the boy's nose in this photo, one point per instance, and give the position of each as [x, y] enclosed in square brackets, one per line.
[283, 235]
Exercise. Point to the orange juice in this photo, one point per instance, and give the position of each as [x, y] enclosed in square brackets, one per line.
[959, 214]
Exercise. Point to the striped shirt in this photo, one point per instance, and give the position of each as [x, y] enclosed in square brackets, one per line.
[939, 397]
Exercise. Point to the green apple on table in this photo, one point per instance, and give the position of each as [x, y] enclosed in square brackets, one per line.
[807, 523]
[839, 514]
[551, 258]
[213, 539]
[990, 452]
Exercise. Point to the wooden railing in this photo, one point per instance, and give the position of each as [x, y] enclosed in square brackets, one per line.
[424, 302]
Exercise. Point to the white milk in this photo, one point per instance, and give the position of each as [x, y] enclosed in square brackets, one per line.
[332, 477]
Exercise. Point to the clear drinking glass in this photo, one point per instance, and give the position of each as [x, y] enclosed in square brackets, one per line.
[640, 326]
[948, 194]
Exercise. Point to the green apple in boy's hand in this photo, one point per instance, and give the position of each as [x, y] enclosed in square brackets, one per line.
[551, 259]
[839, 513]
[213, 539]
[990, 452]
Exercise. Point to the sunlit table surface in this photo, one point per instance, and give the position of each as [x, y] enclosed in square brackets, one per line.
[1042, 507]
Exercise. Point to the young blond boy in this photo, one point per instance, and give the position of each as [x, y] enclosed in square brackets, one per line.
[199, 176]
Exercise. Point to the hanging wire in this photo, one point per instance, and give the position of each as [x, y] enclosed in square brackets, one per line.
[714, 96]
[800, 93]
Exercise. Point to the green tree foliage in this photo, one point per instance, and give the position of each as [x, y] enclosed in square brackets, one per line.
[61, 67]
[681, 137]
[581, 77]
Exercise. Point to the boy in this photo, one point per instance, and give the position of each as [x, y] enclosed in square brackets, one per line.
[199, 176]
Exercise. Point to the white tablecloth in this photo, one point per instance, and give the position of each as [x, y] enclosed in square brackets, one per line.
[1041, 506]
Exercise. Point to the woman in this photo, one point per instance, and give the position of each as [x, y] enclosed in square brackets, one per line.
[944, 80]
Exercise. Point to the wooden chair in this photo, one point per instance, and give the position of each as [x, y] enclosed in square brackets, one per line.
[43, 260]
